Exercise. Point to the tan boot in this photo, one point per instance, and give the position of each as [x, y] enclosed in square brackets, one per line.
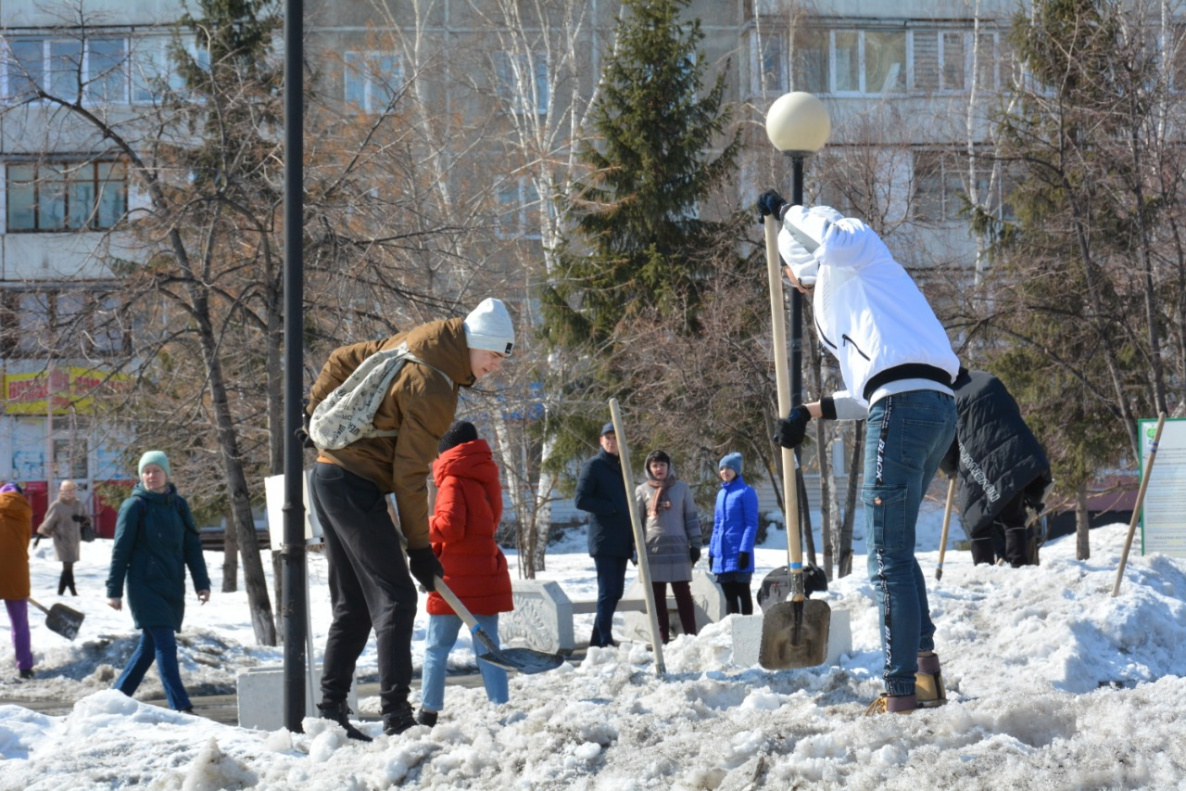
[928, 681]
[893, 704]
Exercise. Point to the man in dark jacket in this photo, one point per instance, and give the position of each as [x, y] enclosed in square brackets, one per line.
[1003, 471]
[602, 493]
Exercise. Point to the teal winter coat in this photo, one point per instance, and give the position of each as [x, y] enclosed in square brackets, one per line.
[155, 539]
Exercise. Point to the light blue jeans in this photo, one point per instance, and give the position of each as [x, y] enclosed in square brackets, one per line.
[442, 634]
[160, 644]
[908, 434]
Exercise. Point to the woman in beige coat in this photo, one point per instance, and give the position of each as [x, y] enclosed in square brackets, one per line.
[63, 521]
[672, 539]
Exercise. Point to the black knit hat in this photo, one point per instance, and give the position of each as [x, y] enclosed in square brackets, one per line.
[459, 433]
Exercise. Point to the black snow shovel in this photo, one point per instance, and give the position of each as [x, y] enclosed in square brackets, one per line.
[61, 619]
[795, 631]
[524, 660]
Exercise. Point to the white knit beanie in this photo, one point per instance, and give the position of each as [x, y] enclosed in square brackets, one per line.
[489, 327]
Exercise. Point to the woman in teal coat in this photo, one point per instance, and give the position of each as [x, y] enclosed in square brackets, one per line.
[155, 540]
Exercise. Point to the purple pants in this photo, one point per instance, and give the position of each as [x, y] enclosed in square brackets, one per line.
[18, 616]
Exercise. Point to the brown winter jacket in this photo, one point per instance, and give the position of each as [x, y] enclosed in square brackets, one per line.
[16, 528]
[66, 532]
[420, 405]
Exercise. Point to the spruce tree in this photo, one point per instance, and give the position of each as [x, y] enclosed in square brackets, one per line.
[639, 245]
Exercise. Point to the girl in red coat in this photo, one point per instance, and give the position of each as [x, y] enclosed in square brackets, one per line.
[466, 515]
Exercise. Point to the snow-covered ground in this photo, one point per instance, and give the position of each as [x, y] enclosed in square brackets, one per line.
[1024, 653]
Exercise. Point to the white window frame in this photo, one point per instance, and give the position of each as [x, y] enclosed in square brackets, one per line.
[376, 77]
[509, 68]
[517, 202]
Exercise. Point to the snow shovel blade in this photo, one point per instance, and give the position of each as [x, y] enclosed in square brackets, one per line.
[522, 660]
[61, 619]
[795, 634]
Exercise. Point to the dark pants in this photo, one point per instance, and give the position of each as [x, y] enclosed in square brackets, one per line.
[737, 598]
[683, 603]
[611, 581]
[157, 644]
[67, 579]
[1006, 537]
[369, 586]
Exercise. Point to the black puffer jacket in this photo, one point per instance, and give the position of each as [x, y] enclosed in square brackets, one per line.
[602, 493]
[998, 457]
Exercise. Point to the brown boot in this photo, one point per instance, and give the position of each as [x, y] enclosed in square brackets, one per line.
[892, 704]
[928, 681]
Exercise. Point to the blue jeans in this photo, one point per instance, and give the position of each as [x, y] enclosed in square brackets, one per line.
[442, 634]
[159, 643]
[611, 582]
[908, 434]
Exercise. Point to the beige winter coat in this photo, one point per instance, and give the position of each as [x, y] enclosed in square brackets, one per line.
[420, 405]
[66, 533]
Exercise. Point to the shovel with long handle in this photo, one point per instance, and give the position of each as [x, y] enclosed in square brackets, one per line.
[946, 524]
[794, 632]
[60, 618]
[524, 660]
[640, 546]
[1136, 509]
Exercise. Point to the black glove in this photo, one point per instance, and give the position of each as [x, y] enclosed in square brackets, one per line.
[792, 430]
[425, 567]
[770, 204]
[694, 554]
[742, 561]
[305, 440]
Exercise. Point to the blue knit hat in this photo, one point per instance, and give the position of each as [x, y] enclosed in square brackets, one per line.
[732, 461]
[156, 457]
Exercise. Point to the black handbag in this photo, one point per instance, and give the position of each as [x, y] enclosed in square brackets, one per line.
[86, 531]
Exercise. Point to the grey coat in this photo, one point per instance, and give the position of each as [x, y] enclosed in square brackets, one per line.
[59, 523]
[670, 535]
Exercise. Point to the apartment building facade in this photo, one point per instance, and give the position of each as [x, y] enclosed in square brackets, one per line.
[906, 83]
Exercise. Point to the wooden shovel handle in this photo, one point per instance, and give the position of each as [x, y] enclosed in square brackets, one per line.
[778, 325]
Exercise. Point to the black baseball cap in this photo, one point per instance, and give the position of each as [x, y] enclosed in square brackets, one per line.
[608, 428]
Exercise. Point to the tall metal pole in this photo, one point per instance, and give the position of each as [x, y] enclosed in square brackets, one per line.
[295, 603]
[796, 297]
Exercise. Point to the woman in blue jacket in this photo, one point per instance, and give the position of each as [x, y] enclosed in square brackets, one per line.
[155, 540]
[734, 530]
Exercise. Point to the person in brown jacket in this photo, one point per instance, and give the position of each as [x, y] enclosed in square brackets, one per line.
[16, 528]
[369, 581]
[63, 521]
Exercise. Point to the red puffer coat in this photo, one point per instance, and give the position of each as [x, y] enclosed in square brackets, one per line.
[468, 509]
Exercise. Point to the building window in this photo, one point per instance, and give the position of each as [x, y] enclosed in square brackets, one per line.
[939, 194]
[66, 196]
[97, 68]
[70, 322]
[878, 62]
[521, 81]
[372, 80]
[771, 66]
[518, 214]
[153, 71]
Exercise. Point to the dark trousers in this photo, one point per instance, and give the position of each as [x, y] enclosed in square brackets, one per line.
[157, 644]
[683, 604]
[611, 582]
[737, 598]
[369, 586]
[66, 580]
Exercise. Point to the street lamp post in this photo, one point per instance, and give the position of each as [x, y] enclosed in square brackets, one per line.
[798, 125]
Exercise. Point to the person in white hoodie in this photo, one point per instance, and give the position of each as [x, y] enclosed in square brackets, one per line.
[898, 366]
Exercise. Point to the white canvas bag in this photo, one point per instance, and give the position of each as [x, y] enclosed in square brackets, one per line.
[348, 413]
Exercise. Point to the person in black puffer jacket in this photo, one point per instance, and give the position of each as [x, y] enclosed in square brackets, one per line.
[1003, 473]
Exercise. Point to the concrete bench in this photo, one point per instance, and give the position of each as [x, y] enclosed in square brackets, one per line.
[261, 697]
[543, 614]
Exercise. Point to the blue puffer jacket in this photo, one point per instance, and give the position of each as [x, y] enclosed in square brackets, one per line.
[155, 539]
[734, 526]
